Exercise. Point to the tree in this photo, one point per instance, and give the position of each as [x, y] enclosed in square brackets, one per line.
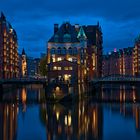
[43, 70]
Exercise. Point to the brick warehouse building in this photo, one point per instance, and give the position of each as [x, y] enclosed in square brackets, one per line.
[119, 62]
[8, 50]
[137, 56]
[74, 53]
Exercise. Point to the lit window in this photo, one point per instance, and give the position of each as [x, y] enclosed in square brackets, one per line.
[59, 68]
[70, 59]
[70, 68]
[53, 59]
[54, 68]
[65, 68]
[59, 59]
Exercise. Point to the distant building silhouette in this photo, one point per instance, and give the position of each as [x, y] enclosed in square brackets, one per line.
[8, 50]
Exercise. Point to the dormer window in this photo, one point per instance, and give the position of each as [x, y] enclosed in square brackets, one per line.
[56, 38]
[67, 38]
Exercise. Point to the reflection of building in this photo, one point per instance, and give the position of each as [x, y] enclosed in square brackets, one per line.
[77, 122]
[8, 121]
[71, 47]
[33, 66]
[8, 50]
[137, 57]
[118, 62]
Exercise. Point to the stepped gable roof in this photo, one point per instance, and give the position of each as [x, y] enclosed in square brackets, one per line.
[65, 30]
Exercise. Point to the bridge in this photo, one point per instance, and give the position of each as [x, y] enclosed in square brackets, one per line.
[116, 79]
[22, 81]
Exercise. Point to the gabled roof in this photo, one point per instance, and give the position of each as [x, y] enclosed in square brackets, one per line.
[2, 17]
[81, 34]
[65, 30]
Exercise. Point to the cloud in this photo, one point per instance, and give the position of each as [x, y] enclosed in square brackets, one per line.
[33, 20]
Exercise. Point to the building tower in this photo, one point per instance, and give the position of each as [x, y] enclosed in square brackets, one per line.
[8, 50]
[24, 64]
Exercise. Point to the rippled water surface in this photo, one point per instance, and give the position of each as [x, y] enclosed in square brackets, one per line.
[25, 115]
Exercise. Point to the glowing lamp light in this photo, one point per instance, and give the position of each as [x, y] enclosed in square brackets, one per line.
[115, 50]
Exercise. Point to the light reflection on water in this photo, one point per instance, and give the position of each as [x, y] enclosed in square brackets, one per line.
[24, 115]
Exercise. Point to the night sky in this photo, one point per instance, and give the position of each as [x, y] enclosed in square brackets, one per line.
[33, 20]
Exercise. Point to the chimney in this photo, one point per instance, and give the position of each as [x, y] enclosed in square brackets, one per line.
[55, 28]
[77, 27]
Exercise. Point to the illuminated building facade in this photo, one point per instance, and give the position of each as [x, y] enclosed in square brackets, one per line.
[72, 53]
[23, 64]
[8, 50]
[118, 62]
[94, 50]
[137, 57]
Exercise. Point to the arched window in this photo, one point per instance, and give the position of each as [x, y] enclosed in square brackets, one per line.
[59, 50]
[67, 38]
[53, 51]
[75, 50]
[70, 50]
[63, 51]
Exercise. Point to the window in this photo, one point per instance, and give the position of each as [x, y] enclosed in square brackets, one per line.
[75, 51]
[59, 59]
[59, 68]
[54, 68]
[70, 59]
[56, 38]
[59, 50]
[53, 51]
[67, 38]
[66, 68]
[70, 50]
[64, 50]
[70, 68]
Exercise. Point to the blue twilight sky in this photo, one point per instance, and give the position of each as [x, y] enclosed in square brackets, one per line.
[33, 20]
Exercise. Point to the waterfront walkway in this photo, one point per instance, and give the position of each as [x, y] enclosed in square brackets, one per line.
[116, 79]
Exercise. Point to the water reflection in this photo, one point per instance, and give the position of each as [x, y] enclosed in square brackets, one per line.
[81, 121]
[28, 116]
[8, 121]
[116, 92]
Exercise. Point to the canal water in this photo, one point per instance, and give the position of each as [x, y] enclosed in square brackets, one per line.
[25, 115]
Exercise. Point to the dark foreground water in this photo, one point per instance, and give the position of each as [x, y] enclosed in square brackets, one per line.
[24, 115]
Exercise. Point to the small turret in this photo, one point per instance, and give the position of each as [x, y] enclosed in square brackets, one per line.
[23, 52]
